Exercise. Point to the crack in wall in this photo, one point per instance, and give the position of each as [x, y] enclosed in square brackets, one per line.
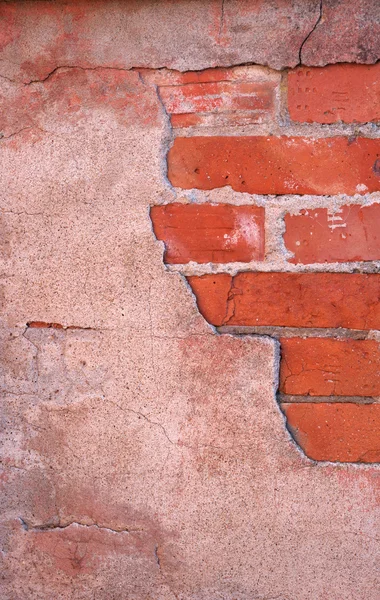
[141, 415]
[230, 310]
[52, 526]
[45, 325]
[311, 31]
[221, 23]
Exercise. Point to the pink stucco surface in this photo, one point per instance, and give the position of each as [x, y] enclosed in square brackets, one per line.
[144, 456]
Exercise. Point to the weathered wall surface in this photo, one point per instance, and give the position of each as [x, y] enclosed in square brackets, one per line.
[145, 454]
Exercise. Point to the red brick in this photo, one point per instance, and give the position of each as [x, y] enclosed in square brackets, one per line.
[290, 299]
[330, 367]
[343, 432]
[219, 102]
[276, 165]
[334, 93]
[209, 232]
[352, 233]
[215, 96]
[212, 294]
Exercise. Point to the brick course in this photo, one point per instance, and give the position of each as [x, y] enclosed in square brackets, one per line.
[236, 134]
[276, 165]
[219, 96]
[320, 300]
[209, 232]
[330, 367]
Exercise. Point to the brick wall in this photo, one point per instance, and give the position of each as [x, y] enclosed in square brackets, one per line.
[290, 247]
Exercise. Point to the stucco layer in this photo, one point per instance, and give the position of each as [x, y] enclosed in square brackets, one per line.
[38, 36]
[144, 455]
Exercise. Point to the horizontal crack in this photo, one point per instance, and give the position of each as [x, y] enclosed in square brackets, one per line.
[63, 67]
[51, 526]
[44, 325]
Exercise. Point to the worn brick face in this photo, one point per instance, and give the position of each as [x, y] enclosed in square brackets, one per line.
[214, 97]
[290, 299]
[209, 232]
[343, 432]
[350, 233]
[276, 165]
[334, 93]
[330, 367]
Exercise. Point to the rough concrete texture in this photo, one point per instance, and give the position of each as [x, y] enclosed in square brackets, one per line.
[144, 456]
[38, 36]
[345, 32]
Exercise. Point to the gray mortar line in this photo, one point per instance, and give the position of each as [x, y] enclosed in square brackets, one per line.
[291, 399]
[292, 203]
[195, 269]
[284, 128]
[291, 332]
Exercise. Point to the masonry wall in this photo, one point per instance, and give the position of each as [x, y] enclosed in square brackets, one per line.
[190, 245]
[292, 249]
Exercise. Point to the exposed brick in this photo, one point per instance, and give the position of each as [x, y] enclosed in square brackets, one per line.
[330, 367]
[212, 294]
[276, 165]
[351, 233]
[209, 232]
[334, 93]
[343, 432]
[290, 299]
[218, 96]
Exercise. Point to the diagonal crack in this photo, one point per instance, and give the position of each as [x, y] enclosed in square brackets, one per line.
[311, 31]
[141, 415]
[14, 133]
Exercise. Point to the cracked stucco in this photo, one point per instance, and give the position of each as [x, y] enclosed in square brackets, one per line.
[167, 430]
